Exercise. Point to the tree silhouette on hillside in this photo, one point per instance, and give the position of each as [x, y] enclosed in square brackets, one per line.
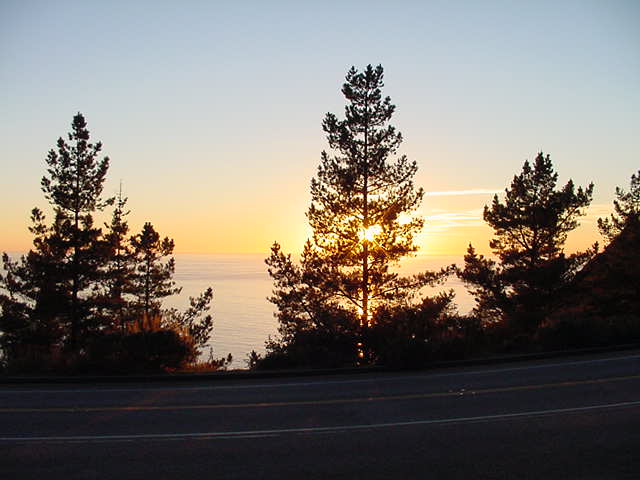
[530, 228]
[626, 208]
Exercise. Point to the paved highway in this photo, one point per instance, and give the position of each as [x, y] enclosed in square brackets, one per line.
[570, 418]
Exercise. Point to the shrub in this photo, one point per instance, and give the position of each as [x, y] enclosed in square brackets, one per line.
[156, 351]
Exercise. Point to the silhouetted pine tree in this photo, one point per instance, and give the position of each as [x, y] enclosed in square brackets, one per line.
[530, 229]
[74, 186]
[152, 279]
[626, 206]
[118, 270]
[363, 218]
[33, 298]
[363, 199]
[78, 285]
[55, 280]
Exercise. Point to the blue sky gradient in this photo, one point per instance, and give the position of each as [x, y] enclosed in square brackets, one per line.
[211, 111]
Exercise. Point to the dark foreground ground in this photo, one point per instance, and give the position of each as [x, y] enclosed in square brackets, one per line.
[577, 418]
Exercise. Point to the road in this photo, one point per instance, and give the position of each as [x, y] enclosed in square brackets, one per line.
[570, 418]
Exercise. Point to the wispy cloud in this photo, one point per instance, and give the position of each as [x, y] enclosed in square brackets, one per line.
[444, 221]
[595, 211]
[452, 193]
[441, 221]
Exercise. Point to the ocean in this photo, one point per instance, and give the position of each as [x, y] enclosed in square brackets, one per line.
[242, 315]
[243, 318]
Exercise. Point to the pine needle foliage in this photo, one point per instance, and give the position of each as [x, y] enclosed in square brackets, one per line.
[530, 227]
[626, 209]
[363, 201]
[363, 216]
[152, 279]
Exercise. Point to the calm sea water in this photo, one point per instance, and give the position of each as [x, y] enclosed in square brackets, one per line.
[243, 318]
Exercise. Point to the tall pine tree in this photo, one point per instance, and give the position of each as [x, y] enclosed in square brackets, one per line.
[362, 200]
[73, 185]
[77, 286]
[363, 216]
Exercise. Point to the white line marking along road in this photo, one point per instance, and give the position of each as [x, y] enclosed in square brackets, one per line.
[316, 430]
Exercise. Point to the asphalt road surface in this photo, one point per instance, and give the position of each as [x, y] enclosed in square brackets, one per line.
[574, 418]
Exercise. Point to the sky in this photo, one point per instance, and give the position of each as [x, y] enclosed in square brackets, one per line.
[211, 111]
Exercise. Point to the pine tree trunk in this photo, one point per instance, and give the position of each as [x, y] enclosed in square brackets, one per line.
[73, 340]
[365, 253]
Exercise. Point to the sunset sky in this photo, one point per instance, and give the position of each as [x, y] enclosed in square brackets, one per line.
[211, 111]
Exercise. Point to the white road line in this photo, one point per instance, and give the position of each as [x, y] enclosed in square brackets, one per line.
[311, 430]
[4, 391]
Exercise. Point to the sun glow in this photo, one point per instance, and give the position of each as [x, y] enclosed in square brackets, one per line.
[370, 233]
[404, 218]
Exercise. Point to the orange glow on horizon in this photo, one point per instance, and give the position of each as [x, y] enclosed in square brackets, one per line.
[451, 223]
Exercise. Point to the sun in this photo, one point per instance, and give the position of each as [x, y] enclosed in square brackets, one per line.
[369, 233]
